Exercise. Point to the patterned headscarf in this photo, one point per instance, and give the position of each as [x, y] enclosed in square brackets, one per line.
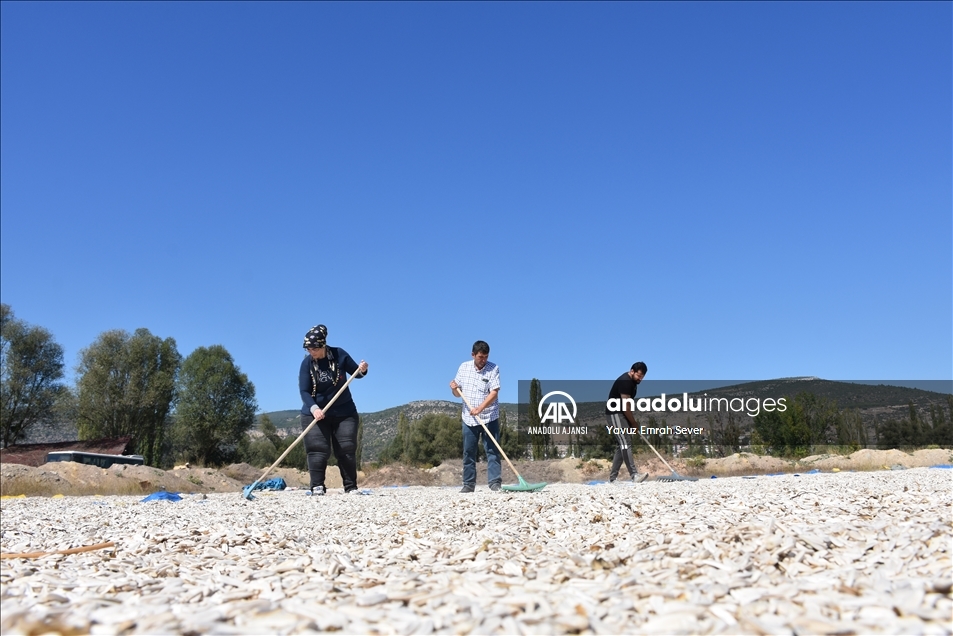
[317, 336]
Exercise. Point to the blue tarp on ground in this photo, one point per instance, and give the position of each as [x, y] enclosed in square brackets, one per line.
[163, 496]
[272, 484]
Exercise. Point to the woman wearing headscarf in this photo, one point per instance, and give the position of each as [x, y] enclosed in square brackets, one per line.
[321, 375]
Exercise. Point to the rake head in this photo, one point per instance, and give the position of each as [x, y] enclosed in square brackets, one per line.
[675, 477]
[523, 486]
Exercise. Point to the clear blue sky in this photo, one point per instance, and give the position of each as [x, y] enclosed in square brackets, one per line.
[725, 191]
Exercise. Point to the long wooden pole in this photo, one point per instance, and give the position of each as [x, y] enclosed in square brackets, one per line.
[35, 555]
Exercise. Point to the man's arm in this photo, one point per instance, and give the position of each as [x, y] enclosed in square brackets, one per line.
[490, 399]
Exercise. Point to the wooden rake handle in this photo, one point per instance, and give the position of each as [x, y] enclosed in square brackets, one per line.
[490, 435]
[657, 453]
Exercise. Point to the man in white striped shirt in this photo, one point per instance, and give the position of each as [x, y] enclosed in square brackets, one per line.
[478, 380]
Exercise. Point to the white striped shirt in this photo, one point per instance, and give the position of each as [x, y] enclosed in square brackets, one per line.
[475, 384]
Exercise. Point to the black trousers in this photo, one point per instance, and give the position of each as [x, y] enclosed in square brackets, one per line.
[332, 434]
[624, 452]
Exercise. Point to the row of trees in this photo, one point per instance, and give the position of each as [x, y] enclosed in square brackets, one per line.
[810, 421]
[196, 409]
[915, 430]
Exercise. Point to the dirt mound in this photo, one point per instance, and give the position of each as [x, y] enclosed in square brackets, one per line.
[398, 475]
[871, 459]
[449, 473]
[71, 478]
[301, 479]
[740, 464]
[207, 479]
[242, 473]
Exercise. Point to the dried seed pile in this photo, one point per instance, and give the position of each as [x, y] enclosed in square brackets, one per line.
[844, 553]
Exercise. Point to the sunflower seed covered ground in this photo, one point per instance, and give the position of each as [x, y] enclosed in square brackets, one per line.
[821, 553]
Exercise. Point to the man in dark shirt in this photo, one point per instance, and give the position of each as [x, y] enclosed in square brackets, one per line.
[624, 390]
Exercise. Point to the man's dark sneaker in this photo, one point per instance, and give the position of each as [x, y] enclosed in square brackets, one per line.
[495, 486]
[316, 491]
[466, 488]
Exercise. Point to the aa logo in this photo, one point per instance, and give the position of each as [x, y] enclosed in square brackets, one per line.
[557, 412]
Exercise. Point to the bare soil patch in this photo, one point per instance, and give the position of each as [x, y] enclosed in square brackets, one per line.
[400, 475]
[70, 478]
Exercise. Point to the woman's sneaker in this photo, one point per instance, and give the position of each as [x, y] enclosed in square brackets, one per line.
[316, 491]
[638, 478]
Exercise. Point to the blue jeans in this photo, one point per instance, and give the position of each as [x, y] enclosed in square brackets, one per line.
[471, 439]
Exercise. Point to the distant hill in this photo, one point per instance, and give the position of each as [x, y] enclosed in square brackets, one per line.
[283, 420]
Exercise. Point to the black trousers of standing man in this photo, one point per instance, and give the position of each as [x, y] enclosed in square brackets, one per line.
[624, 451]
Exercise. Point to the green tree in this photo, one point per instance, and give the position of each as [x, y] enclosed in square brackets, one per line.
[268, 429]
[914, 427]
[552, 451]
[601, 444]
[298, 457]
[434, 438]
[539, 441]
[807, 421]
[260, 452]
[512, 439]
[757, 444]
[126, 386]
[695, 443]
[905, 433]
[427, 441]
[851, 431]
[397, 449]
[890, 434]
[216, 407]
[263, 451]
[31, 367]
[942, 425]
